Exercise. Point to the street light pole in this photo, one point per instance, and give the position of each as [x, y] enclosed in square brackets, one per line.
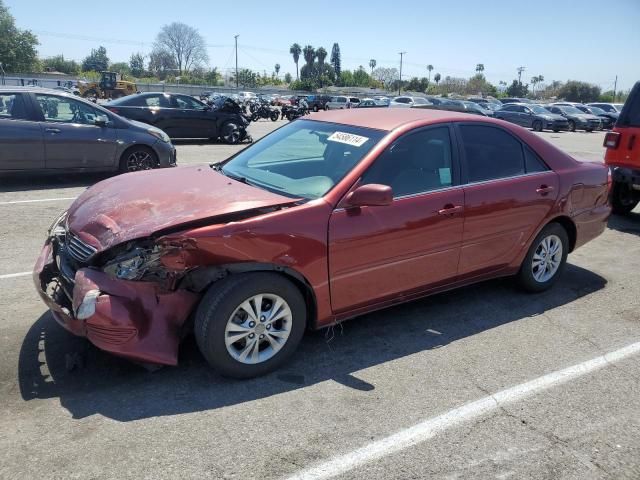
[236, 37]
[400, 82]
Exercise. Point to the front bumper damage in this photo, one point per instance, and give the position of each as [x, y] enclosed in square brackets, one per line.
[136, 320]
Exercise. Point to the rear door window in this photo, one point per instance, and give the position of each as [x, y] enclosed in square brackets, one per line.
[13, 107]
[66, 110]
[630, 116]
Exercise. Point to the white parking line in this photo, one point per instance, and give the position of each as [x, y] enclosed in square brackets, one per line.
[429, 428]
[38, 200]
[14, 275]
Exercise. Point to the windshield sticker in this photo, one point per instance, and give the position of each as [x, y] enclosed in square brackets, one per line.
[348, 138]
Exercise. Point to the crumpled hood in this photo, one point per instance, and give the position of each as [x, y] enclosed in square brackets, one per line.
[135, 205]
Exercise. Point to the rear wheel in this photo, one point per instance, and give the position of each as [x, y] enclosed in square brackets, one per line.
[315, 108]
[274, 115]
[545, 259]
[537, 126]
[572, 126]
[138, 158]
[248, 325]
[623, 198]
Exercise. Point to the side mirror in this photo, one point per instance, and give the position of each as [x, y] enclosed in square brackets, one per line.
[101, 121]
[371, 195]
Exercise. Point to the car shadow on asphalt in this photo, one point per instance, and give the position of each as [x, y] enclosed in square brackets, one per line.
[629, 223]
[122, 391]
[21, 182]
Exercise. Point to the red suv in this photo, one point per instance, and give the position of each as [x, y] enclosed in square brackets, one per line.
[623, 155]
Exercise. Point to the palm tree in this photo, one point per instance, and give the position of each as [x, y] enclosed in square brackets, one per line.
[309, 54]
[480, 67]
[372, 64]
[296, 50]
[436, 78]
[429, 68]
[277, 69]
[321, 53]
[535, 80]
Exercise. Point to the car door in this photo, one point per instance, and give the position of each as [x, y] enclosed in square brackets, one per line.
[71, 137]
[384, 252]
[192, 118]
[508, 192]
[21, 141]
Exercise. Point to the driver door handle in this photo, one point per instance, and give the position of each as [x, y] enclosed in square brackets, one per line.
[544, 189]
[52, 130]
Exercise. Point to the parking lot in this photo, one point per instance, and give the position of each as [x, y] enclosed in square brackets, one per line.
[430, 373]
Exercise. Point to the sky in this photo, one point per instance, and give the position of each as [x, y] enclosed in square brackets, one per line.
[585, 40]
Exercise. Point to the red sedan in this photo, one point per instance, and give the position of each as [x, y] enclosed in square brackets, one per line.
[320, 221]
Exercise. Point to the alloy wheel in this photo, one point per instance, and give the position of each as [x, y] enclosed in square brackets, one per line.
[547, 258]
[139, 160]
[258, 328]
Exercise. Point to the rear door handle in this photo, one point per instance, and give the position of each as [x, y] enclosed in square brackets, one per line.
[450, 209]
[544, 189]
[52, 130]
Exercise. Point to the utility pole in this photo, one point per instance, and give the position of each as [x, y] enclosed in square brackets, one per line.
[400, 82]
[236, 37]
[520, 70]
[615, 84]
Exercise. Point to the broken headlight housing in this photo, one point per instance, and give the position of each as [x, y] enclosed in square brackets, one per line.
[136, 264]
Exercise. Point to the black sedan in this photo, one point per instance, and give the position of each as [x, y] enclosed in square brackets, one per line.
[609, 119]
[577, 119]
[182, 116]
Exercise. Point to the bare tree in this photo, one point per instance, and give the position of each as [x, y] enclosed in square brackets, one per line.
[185, 45]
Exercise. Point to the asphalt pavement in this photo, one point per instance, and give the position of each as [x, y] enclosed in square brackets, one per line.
[482, 382]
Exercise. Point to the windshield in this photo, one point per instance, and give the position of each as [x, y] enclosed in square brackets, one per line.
[596, 110]
[572, 110]
[421, 101]
[538, 109]
[303, 159]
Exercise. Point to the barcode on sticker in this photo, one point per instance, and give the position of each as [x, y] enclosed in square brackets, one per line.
[348, 138]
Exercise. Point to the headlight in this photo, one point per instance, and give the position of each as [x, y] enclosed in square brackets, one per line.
[57, 227]
[136, 264]
[160, 135]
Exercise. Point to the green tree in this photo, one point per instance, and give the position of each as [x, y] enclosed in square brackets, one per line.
[287, 78]
[276, 67]
[517, 89]
[575, 91]
[437, 78]
[429, 69]
[136, 64]
[185, 45]
[321, 53]
[534, 81]
[97, 61]
[296, 50]
[335, 60]
[17, 47]
[57, 63]
[246, 78]
[121, 68]
[372, 64]
[480, 67]
[309, 54]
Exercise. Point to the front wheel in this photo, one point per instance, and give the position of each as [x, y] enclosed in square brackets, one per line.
[572, 126]
[230, 133]
[537, 126]
[274, 116]
[623, 199]
[545, 259]
[138, 158]
[248, 325]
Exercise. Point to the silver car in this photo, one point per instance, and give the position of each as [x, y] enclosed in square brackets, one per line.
[49, 130]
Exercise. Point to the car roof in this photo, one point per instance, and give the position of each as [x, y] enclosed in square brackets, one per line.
[390, 119]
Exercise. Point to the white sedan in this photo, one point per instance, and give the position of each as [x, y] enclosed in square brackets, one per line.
[408, 102]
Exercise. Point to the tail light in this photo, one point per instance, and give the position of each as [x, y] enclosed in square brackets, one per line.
[611, 140]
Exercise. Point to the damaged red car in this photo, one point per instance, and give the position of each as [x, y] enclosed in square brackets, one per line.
[326, 218]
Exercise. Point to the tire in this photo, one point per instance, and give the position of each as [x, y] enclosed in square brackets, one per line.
[90, 94]
[138, 158]
[537, 126]
[255, 117]
[230, 133]
[589, 130]
[572, 126]
[326, 108]
[274, 116]
[556, 130]
[315, 108]
[538, 281]
[623, 199]
[221, 313]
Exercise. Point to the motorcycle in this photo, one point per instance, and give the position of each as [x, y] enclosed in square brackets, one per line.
[291, 112]
[233, 130]
[264, 111]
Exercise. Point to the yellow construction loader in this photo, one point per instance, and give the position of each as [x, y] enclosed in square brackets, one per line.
[110, 86]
